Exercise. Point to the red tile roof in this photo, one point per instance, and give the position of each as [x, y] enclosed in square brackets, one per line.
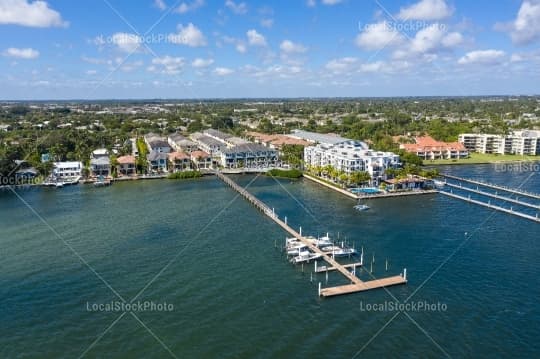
[428, 144]
[199, 154]
[174, 156]
[126, 160]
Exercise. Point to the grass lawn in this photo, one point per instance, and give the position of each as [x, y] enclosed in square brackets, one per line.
[479, 158]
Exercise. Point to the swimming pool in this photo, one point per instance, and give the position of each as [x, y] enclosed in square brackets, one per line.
[367, 190]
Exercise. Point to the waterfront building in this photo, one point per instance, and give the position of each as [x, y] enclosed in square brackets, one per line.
[208, 144]
[157, 143]
[225, 138]
[202, 160]
[126, 165]
[427, 148]
[524, 142]
[277, 141]
[251, 155]
[157, 161]
[352, 156]
[100, 164]
[318, 138]
[181, 144]
[68, 169]
[179, 161]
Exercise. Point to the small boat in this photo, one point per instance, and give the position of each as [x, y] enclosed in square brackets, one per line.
[296, 251]
[305, 256]
[439, 184]
[344, 252]
[362, 207]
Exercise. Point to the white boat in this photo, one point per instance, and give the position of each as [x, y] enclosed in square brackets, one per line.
[439, 184]
[295, 251]
[59, 185]
[362, 207]
[305, 256]
[344, 252]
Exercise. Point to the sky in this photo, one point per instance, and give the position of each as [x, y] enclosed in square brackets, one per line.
[170, 49]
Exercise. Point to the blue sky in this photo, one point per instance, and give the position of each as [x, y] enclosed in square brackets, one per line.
[98, 49]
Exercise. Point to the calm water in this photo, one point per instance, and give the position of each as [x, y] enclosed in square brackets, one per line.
[234, 294]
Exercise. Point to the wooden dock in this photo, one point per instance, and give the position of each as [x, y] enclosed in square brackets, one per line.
[323, 269]
[491, 206]
[497, 187]
[496, 196]
[356, 285]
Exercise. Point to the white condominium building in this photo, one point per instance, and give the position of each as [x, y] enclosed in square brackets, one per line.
[517, 143]
[352, 156]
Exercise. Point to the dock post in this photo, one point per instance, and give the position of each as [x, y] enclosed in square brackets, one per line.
[405, 273]
[285, 219]
[371, 268]
[300, 231]
[387, 264]
[273, 212]
[315, 266]
[311, 277]
[326, 275]
[362, 258]
[302, 267]
[319, 289]
[373, 258]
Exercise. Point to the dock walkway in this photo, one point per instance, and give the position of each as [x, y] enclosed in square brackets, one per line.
[491, 206]
[494, 186]
[356, 285]
[496, 196]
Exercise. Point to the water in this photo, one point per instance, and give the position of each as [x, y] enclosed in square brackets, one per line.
[235, 295]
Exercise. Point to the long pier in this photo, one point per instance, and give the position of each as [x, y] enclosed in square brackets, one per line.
[494, 186]
[491, 206]
[487, 194]
[356, 285]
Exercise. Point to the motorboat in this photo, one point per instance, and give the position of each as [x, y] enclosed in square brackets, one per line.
[305, 256]
[362, 207]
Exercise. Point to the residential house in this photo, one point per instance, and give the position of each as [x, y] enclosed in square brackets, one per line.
[68, 169]
[179, 161]
[100, 164]
[209, 144]
[251, 155]
[427, 148]
[157, 161]
[181, 144]
[202, 160]
[127, 165]
[524, 142]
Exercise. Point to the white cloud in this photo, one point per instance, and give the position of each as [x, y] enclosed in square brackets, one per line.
[237, 8]
[26, 53]
[311, 3]
[339, 66]
[127, 42]
[160, 4]
[255, 39]
[289, 47]
[91, 72]
[434, 37]
[167, 65]
[526, 27]
[331, 2]
[202, 63]
[268, 23]
[32, 14]
[189, 36]
[379, 35]
[187, 7]
[484, 57]
[223, 71]
[426, 10]
[372, 67]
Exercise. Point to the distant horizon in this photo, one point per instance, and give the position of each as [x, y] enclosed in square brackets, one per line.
[232, 99]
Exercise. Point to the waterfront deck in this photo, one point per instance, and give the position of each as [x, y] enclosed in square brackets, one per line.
[356, 285]
[364, 286]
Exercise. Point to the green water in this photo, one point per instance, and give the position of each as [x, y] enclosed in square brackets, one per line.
[197, 246]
